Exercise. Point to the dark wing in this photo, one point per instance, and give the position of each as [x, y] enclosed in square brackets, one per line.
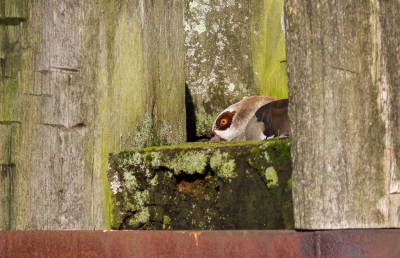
[274, 115]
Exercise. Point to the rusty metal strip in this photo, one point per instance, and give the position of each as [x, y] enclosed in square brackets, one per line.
[240, 243]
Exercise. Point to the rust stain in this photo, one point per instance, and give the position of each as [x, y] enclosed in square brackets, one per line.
[195, 236]
[233, 243]
[195, 189]
[192, 233]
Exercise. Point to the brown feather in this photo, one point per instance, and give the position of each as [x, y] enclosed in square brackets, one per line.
[275, 118]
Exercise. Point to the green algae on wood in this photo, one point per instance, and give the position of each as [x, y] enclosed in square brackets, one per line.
[77, 82]
[234, 49]
[226, 188]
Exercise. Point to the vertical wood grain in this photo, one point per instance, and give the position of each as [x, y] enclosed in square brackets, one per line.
[81, 79]
[343, 65]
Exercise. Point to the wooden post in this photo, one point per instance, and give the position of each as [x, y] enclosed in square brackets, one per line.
[343, 65]
[81, 79]
[234, 49]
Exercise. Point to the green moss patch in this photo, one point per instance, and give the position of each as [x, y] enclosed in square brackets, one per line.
[235, 185]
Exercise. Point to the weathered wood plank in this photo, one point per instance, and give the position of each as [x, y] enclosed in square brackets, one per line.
[5, 137]
[233, 49]
[138, 50]
[343, 68]
[81, 79]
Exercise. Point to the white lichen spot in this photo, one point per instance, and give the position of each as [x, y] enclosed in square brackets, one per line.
[200, 28]
[130, 181]
[142, 136]
[246, 56]
[189, 162]
[141, 198]
[243, 88]
[193, 5]
[219, 35]
[212, 74]
[234, 27]
[153, 181]
[141, 217]
[220, 45]
[204, 60]
[156, 159]
[148, 174]
[215, 27]
[165, 132]
[116, 185]
[187, 27]
[230, 3]
[223, 164]
[266, 156]
[271, 176]
[187, 41]
[217, 60]
[134, 159]
[231, 87]
[191, 52]
[256, 33]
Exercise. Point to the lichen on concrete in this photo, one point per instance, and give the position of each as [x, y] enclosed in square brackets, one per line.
[130, 181]
[189, 162]
[139, 218]
[203, 186]
[223, 164]
[272, 177]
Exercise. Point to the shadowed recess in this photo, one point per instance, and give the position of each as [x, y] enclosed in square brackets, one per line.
[190, 116]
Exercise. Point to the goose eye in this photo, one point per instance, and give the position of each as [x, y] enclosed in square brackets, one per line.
[224, 120]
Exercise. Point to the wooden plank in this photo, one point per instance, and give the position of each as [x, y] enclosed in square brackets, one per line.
[343, 69]
[5, 137]
[82, 79]
[233, 49]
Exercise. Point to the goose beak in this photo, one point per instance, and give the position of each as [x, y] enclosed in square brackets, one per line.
[214, 138]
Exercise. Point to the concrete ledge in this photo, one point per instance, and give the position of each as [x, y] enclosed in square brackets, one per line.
[234, 185]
